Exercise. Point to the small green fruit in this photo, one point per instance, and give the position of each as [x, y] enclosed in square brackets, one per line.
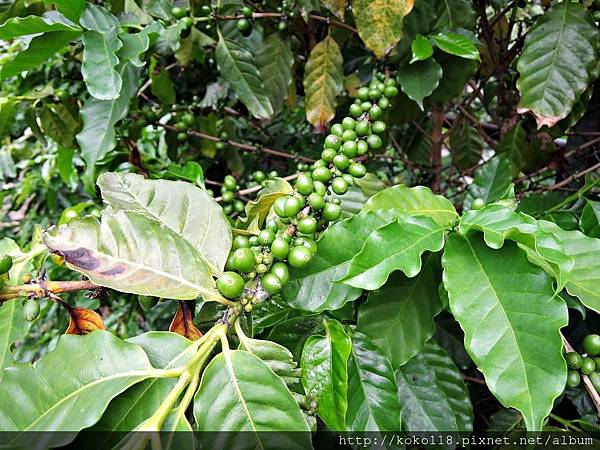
[31, 310]
[591, 344]
[230, 284]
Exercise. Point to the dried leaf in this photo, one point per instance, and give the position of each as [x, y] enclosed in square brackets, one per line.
[182, 323]
[84, 321]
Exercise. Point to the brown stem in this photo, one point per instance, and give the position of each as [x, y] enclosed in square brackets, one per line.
[41, 290]
[271, 15]
[589, 387]
[247, 147]
[437, 117]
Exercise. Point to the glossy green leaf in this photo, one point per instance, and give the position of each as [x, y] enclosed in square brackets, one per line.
[466, 145]
[131, 253]
[499, 223]
[456, 44]
[453, 14]
[395, 246]
[584, 278]
[23, 26]
[558, 62]
[491, 182]
[100, 46]
[185, 209]
[399, 316]
[419, 79]
[380, 22]
[590, 219]
[515, 145]
[417, 200]
[325, 373]
[421, 48]
[433, 394]
[372, 392]
[71, 9]
[39, 50]
[275, 61]
[512, 320]
[97, 137]
[314, 288]
[276, 356]
[239, 392]
[93, 369]
[323, 82]
[293, 333]
[237, 66]
[134, 46]
[128, 410]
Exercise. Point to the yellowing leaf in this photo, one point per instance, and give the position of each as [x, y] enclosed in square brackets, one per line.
[323, 81]
[337, 7]
[84, 321]
[182, 323]
[379, 22]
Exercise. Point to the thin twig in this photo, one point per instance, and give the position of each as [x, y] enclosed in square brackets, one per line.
[259, 187]
[271, 15]
[42, 289]
[247, 147]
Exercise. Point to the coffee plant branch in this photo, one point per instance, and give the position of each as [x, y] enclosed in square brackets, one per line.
[589, 387]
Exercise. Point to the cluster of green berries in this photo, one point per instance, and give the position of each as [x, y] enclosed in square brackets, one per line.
[182, 14]
[588, 364]
[289, 235]
[244, 24]
[230, 203]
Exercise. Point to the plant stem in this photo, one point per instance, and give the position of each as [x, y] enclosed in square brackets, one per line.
[41, 289]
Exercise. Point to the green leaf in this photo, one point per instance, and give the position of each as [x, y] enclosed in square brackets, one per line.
[557, 63]
[128, 410]
[91, 371]
[162, 86]
[323, 82]
[293, 333]
[23, 26]
[421, 48]
[491, 181]
[453, 14]
[399, 316]
[237, 67]
[131, 253]
[590, 219]
[379, 22]
[71, 9]
[516, 147]
[433, 394]
[325, 373]
[100, 47]
[512, 320]
[417, 200]
[239, 392]
[278, 358]
[39, 50]
[419, 79]
[275, 61]
[314, 288]
[373, 403]
[60, 122]
[456, 44]
[159, 8]
[336, 7]
[258, 210]
[97, 137]
[183, 208]
[395, 246]
[466, 145]
[8, 107]
[134, 46]
[584, 278]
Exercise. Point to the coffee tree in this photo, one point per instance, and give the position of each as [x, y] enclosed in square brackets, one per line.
[349, 216]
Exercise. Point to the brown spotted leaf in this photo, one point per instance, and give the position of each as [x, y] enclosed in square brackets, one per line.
[323, 82]
[84, 321]
[179, 206]
[379, 22]
[130, 252]
[182, 323]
